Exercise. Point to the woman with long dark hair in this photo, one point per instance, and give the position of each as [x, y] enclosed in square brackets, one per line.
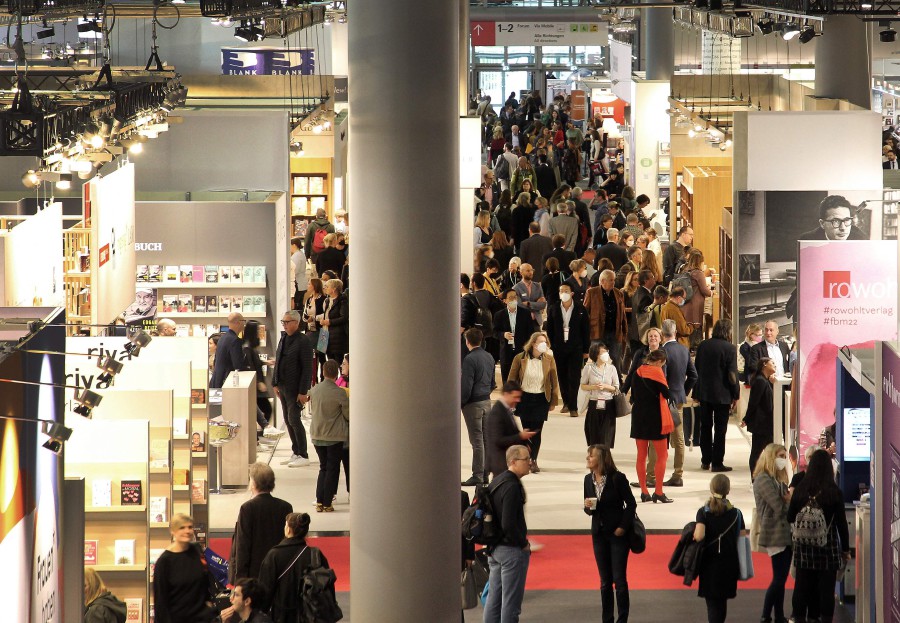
[759, 418]
[610, 503]
[817, 567]
[651, 422]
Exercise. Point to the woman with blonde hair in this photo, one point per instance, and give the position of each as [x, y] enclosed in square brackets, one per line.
[101, 606]
[770, 490]
[181, 578]
[482, 233]
[695, 267]
[331, 258]
[534, 369]
[578, 279]
[650, 262]
[719, 524]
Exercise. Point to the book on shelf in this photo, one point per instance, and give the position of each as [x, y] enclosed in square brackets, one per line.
[212, 304]
[198, 491]
[198, 441]
[143, 273]
[182, 330]
[198, 396]
[84, 262]
[159, 509]
[179, 426]
[316, 185]
[159, 453]
[248, 274]
[185, 273]
[180, 477]
[124, 551]
[169, 303]
[211, 273]
[259, 303]
[301, 185]
[155, 553]
[90, 552]
[237, 274]
[132, 492]
[224, 274]
[185, 303]
[134, 610]
[200, 533]
[259, 274]
[299, 206]
[248, 304]
[200, 304]
[101, 493]
[197, 274]
[156, 273]
[316, 203]
[224, 305]
[300, 227]
[262, 334]
[237, 304]
[171, 274]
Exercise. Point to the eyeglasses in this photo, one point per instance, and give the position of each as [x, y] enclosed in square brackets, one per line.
[527, 458]
[840, 222]
[287, 322]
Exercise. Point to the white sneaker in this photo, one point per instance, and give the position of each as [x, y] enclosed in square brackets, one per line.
[288, 460]
[299, 462]
[271, 431]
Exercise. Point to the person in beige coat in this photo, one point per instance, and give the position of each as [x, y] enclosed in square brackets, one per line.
[329, 431]
[534, 369]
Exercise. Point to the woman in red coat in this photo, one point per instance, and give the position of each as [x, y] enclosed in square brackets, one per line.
[651, 421]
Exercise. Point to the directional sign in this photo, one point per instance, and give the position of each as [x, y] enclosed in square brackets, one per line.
[539, 33]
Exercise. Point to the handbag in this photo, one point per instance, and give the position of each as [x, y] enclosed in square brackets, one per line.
[467, 589]
[676, 415]
[322, 344]
[745, 556]
[637, 536]
[621, 405]
[584, 397]
[754, 532]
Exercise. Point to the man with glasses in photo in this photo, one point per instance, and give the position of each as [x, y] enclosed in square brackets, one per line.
[837, 221]
[229, 352]
[291, 380]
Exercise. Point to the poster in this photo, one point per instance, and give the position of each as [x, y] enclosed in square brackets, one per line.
[888, 481]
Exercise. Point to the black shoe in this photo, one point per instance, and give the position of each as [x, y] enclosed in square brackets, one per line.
[637, 485]
[720, 468]
[661, 498]
[674, 482]
[646, 497]
[471, 482]
[704, 466]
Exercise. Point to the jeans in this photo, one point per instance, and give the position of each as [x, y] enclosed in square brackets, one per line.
[814, 595]
[345, 461]
[509, 567]
[329, 472]
[716, 609]
[611, 554]
[297, 433]
[781, 566]
[712, 447]
[475, 414]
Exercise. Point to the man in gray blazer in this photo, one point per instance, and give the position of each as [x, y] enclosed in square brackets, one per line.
[681, 376]
[533, 249]
[531, 296]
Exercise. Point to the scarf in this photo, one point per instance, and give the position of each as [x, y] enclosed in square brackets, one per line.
[655, 373]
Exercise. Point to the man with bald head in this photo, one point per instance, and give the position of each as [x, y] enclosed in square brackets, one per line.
[229, 355]
[166, 327]
[530, 294]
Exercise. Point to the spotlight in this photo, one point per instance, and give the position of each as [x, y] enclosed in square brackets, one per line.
[88, 27]
[133, 146]
[45, 32]
[789, 31]
[317, 129]
[766, 25]
[65, 181]
[136, 342]
[807, 34]
[110, 368]
[58, 434]
[691, 133]
[249, 31]
[715, 5]
[296, 149]
[31, 179]
[86, 403]
[888, 35]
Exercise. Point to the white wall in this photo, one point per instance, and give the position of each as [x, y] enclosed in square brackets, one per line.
[650, 126]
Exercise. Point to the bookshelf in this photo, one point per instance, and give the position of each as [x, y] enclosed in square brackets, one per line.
[311, 189]
[77, 274]
[726, 264]
[703, 192]
[202, 286]
[889, 217]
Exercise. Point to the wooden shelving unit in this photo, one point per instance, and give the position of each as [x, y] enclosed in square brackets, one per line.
[77, 274]
[312, 187]
[889, 216]
[703, 193]
[726, 265]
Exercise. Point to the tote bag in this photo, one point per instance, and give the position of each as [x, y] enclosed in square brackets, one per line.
[745, 555]
[467, 589]
[623, 407]
[322, 344]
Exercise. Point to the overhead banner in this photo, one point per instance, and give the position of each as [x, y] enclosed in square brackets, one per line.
[846, 298]
[268, 61]
[539, 33]
[888, 481]
[607, 107]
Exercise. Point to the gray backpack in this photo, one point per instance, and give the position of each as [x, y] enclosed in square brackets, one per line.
[809, 527]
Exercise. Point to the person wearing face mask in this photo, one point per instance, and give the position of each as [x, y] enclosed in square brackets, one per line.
[534, 369]
[770, 490]
[512, 328]
[760, 409]
[578, 281]
[491, 274]
[601, 380]
[569, 328]
[672, 311]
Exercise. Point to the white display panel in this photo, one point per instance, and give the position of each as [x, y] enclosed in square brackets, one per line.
[113, 255]
[33, 257]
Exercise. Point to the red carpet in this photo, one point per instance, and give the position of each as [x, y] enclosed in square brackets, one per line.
[566, 562]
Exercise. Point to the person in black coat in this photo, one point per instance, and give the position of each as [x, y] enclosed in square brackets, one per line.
[337, 320]
[650, 425]
[259, 525]
[282, 569]
[611, 505]
[229, 355]
[291, 380]
[501, 431]
[778, 346]
[545, 176]
[612, 250]
[563, 256]
[331, 258]
[718, 391]
[760, 409]
[504, 332]
[718, 526]
[568, 328]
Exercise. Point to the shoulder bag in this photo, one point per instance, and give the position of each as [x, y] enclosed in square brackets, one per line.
[637, 536]
[745, 555]
[621, 404]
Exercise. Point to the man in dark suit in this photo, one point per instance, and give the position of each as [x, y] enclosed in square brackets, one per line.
[718, 391]
[681, 377]
[511, 325]
[229, 354]
[563, 255]
[891, 162]
[546, 177]
[772, 347]
[612, 250]
[260, 524]
[291, 380]
[533, 250]
[569, 330]
[501, 431]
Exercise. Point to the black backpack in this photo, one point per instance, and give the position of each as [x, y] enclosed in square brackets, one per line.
[483, 318]
[318, 604]
[479, 520]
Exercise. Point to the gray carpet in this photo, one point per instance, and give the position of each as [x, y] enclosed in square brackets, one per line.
[646, 607]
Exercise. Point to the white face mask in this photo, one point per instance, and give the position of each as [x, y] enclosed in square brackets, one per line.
[604, 357]
[630, 243]
[565, 297]
[583, 274]
[511, 306]
[542, 347]
[780, 463]
[490, 256]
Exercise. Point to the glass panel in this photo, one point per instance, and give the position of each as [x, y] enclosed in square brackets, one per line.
[491, 83]
[516, 81]
[589, 54]
[556, 55]
[489, 54]
[520, 54]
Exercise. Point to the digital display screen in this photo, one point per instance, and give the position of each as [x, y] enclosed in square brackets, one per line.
[857, 434]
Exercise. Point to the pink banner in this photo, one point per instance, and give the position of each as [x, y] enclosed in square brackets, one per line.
[848, 297]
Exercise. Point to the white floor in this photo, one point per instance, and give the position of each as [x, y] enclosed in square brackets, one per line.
[554, 495]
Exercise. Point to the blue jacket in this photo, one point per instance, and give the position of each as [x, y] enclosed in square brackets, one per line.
[680, 372]
[477, 376]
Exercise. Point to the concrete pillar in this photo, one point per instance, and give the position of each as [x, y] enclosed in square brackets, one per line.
[404, 309]
[660, 44]
[842, 61]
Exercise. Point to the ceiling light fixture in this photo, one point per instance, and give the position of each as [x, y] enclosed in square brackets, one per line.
[296, 149]
[45, 32]
[65, 181]
[110, 368]
[58, 434]
[87, 400]
[807, 34]
[136, 342]
[789, 31]
[888, 35]
[765, 25]
[31, 179]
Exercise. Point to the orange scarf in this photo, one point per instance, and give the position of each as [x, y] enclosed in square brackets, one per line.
[655, 373]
